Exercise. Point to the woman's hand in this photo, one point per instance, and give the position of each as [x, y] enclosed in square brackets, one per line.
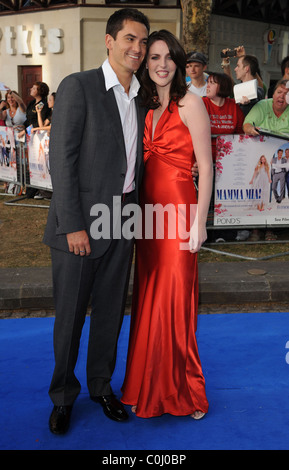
[198, 236]
[249, 129]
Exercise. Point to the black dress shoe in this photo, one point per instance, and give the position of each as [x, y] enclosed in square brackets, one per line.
[112, 408]
[59, 419]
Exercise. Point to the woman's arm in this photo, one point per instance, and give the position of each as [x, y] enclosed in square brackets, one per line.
[20, 102]
[249, 129]
[39, 116]
[3, 113]
[195, 117]
[44, 128]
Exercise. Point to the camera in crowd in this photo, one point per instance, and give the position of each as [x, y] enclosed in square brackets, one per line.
[39, 106]
[229, 53]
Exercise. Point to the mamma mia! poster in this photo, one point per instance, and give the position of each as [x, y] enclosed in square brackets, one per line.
[251, 181]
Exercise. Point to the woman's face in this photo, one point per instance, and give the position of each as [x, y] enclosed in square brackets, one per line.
[279, 99]
[10, 99]
[212, 88]
[161, 67]
[50, 101]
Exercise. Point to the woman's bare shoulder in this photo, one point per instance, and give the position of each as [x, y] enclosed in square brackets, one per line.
[190, 106]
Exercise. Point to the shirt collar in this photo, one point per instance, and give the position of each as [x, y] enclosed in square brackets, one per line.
[112, 81]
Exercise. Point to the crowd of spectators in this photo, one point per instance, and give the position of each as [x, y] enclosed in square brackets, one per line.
[268, 110]
[26, 119]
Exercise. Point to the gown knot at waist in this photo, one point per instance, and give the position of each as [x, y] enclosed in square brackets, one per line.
[152, 149]
[170, 142]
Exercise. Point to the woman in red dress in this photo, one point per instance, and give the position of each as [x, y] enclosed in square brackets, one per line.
[164, 373]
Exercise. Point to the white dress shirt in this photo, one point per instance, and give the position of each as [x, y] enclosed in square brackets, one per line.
[127, 111]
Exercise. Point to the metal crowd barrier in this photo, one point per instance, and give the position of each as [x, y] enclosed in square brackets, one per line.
[24, 163]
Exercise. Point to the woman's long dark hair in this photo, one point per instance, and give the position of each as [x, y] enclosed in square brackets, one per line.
[148, 92]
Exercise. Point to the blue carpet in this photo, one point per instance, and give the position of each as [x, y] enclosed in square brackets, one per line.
[247, 377]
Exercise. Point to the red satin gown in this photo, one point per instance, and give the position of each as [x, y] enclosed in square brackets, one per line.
[164, 373]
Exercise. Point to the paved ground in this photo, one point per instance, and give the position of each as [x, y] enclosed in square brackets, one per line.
[224, 287]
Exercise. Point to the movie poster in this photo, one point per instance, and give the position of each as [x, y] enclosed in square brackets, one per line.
[38, 155]
[251, 181]
[8, 167]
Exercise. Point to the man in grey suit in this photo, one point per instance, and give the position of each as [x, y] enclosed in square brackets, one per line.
[95, 156]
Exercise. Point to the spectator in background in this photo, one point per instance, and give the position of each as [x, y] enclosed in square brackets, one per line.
[3, 106]
[39, 93]
[195, 69]
[247, 69]
[226, 116]
[46, 125]
[15, 114]
[271, 114]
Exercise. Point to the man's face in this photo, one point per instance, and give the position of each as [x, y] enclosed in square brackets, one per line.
[195, 70]
[279, 99]
[240, 70]
[127, 51]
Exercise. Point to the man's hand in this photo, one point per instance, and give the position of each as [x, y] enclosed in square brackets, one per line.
[78, 243]
[240, 51]
[245, 100]
[195, 170]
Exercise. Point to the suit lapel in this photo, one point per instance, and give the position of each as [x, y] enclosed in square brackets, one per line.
[114, 122]
[113, 118]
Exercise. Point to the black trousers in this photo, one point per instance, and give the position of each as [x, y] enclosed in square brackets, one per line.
[76, 281]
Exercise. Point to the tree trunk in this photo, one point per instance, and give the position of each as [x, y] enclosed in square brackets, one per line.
[196, 23]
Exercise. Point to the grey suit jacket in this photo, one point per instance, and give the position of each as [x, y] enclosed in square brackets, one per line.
[87, 157]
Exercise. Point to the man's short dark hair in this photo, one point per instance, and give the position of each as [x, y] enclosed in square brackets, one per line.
[252, 62]
[116, 20]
